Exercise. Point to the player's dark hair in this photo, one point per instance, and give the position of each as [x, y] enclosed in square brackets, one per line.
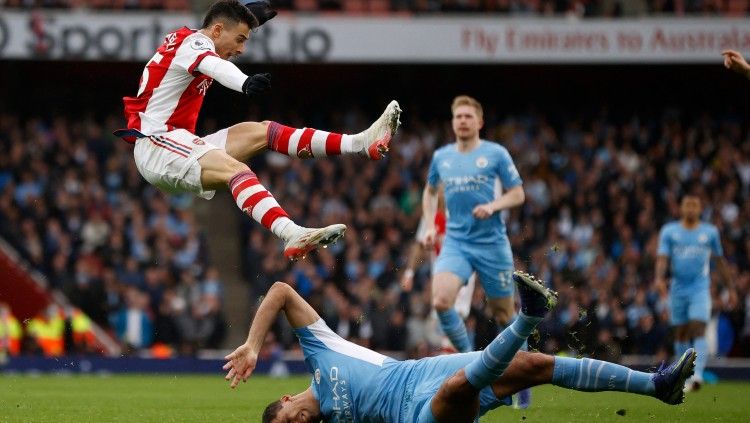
[231, 10]
[271, 411]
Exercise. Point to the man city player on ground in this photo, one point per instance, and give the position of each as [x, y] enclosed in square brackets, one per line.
[688, 245]
[351, 383]
[473, 173]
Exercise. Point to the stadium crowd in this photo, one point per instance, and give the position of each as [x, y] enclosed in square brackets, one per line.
[134, 260]
[597, 191]
[580, 8]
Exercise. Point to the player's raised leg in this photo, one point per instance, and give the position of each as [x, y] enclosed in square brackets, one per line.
[247, 139]
[462, 389]
[219, 170]
[532, 369]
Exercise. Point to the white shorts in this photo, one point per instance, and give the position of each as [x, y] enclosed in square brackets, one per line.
[169, 160]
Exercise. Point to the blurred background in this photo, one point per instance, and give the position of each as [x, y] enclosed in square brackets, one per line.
[610, 109]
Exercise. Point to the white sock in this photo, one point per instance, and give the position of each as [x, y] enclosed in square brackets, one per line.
[284, 228]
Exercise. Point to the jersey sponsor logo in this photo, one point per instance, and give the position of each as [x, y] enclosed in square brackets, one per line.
[482, 162]
[691, 251]
[317, 376]
[203, 86]
[446, 164]
[199, 44]
[465, 183]
[342, 404]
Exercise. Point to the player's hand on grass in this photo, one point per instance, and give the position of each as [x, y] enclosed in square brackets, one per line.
[257, 84]
[240, 364]
[483, 211]
[733, 60]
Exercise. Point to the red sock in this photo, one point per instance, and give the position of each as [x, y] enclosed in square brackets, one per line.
[255, 201]
[307, 142]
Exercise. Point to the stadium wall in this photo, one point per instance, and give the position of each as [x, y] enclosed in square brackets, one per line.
[397, 39]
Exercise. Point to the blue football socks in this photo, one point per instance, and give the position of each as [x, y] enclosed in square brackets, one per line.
[494, 359]
[701, 358]
[595, 375]
[455, 329]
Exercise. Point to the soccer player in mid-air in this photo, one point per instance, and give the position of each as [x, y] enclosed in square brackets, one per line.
[162, 118]
[473, 173]
[355, 384]
[688, 245]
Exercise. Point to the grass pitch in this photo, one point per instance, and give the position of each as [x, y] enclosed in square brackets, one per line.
[180, 398]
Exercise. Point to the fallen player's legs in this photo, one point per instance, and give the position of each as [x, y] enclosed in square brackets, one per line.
[457, 400]
[248, 139]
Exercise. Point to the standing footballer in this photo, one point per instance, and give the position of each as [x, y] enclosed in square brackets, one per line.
[688, 245]
[163, 114]
[473, 172]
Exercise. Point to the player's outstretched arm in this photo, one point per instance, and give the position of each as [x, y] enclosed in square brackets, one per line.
[281, 297]
[733, 60]
[230, 76]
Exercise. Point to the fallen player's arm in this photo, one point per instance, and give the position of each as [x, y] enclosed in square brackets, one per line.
[281, 297]
[229, 75]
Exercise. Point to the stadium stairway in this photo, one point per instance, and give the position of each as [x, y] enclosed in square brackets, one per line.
[26, 292]
[224, 249]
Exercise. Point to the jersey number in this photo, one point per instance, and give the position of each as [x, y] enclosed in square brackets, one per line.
[144, 78]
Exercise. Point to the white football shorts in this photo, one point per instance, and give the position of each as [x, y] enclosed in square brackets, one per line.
[169, 160]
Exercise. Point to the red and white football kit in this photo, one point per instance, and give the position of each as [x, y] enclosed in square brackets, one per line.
[166, 108]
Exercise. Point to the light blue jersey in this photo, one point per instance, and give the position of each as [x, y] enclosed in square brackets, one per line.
[689, 252]
[470, 179]
[355, 384]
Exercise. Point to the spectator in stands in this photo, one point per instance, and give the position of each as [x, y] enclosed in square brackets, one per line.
[133, 325]
[10, 332]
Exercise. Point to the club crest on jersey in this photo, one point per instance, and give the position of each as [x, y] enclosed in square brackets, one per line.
[702, 238]
[481, 162]
[203, 86]
[199, 141]
[199, 44]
